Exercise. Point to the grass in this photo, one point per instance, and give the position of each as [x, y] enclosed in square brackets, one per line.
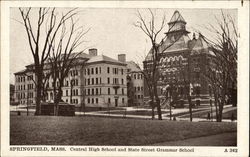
[203, 114]
[51, 130]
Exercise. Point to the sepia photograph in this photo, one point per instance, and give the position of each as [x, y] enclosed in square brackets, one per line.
[123, 79]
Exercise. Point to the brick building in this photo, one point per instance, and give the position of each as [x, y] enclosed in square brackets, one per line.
[177, 51]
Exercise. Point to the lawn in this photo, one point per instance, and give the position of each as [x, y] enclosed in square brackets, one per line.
[51, 130]
[226, 115]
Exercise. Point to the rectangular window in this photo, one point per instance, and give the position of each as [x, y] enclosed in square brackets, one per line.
[108, 91]
[100, 70]
[66, 92]
[96, 91]
[88, 81]
[96, 70]
[88, 71]
[108, 80]
[96, 80]
[96, 100]
[88, 100]
[109, 100]
[88, 91]
[92, 70]
[122, 91]
[108, 70]
[123, 100]
[93, 81]
[93, 91]
[100, 80]
[92, 100]
[122, 71]
[122, 81]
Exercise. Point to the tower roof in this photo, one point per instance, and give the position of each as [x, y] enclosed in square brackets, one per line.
[177, 18]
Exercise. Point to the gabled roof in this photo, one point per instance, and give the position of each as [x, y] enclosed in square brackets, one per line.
[177, 18]
[21, 72]
[199, 46]
[103, 58]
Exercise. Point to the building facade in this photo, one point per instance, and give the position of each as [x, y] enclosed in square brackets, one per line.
[95, 81]
[135, 84]
[181, 60]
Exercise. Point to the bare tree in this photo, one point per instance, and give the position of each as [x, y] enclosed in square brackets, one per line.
[40, 48]
[65, 58]
[151, 73]
[223, 73]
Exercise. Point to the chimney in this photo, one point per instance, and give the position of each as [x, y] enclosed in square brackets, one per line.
[93, 52]
[122, 57]
[194, 36]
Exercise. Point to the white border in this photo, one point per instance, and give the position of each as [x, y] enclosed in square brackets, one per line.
[243, 71]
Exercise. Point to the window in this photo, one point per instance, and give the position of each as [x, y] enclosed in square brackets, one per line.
[76, 91]
[76, 82]
[66, 92]
[88, 81]
[96, 100]
[92, 70]
[134, 76]
[109, 100]
[93, 81]
[122, 81]
[122, 71]
[93, 91]
[96, 91]
[88, 100]
[96, 80]
[88, 91]
[100, 90]
[92, 100]
[88, 71]
[138, 88]
[100, 80]
[122, 91]
[108, 91]
[108, 70]
[123, 100]
[108, 80]
[100, 70]
[96, 70]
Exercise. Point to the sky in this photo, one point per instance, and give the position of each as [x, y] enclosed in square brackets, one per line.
[111, 31]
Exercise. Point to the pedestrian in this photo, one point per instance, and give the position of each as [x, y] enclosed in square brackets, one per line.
[232, 117]
[208, 116]
[174, 118]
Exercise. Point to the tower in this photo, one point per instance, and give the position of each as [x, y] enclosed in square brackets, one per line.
[177, 26]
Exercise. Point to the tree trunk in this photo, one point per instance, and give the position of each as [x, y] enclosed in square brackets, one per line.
[158, 108]
[153, 110]
[216, 107]
[39, 74]
[190, 108]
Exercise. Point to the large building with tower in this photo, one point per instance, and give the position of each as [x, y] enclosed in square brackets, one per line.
[182, 59]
